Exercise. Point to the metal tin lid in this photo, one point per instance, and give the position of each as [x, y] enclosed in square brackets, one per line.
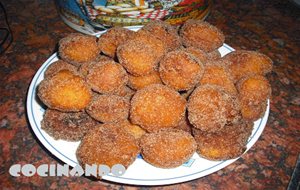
[92, 16]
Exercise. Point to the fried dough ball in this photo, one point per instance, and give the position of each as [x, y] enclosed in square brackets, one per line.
[136, 131]
[107, 77]
[69, 126]
[65, 91]
[226, 144]
[157, 45]
[78, 49]
[201, 35]
[157, 106]
[108, 108]
[139, 82]
[58, 66]
[167, 148]
[165, 32]
[110, 40]
[217, 73]
[84, 68]
[198, 53]
[107, 144]
[210, 108]
[253, 94]
[180, 70]
[137, 57]
[245, 63]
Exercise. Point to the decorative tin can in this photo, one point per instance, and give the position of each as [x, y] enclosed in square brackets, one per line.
[92, 16]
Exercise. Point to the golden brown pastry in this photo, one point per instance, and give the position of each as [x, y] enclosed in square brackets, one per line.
[65, 91]
[107, 78]
[107, 144]
[78, 48]
[108, 108]
[201, 34]
[156, 107]
[244, 63]
[168, 148]
[210, 108]
[180, 70]
[226, 144]
[253, 94]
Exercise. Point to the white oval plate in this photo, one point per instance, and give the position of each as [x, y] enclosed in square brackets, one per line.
[140, 172]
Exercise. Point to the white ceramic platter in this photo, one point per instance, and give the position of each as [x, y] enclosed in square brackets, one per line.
[140, 172]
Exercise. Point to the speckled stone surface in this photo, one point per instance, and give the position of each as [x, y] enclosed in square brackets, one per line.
[271, 27]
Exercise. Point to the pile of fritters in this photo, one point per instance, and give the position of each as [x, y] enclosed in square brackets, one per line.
[162, 91]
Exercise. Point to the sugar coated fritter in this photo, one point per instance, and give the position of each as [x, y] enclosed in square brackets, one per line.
[107, 77]
[210, 108]
[156, 45]
[107, 144]
[137, 57]
[180, 70]
[84, 68]
[78, 48]
[226, 144]
[201, 34]
[217, 73]
[244, 63]
[253, 94]
[69, 126]
[65, 91]
[165, 32]
[108, 108]
[167, 148]
[157, 106]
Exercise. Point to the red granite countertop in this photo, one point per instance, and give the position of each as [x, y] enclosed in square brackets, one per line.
[271, 27]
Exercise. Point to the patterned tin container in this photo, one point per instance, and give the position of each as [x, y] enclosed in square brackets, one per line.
[92, 16]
